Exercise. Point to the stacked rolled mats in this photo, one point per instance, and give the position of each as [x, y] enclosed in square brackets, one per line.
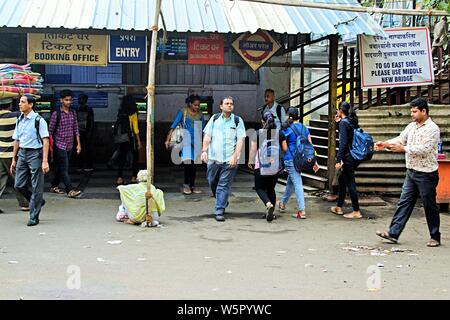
[16, 80]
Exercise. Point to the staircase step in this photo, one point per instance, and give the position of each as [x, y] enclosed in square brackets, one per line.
[318, 123]
[381, 174]
[321, 141]
[392, 190]
[379, 181]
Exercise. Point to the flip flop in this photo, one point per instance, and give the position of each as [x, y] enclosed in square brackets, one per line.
[335, 211]
[433, 243]
[385, 235]
[351, 216]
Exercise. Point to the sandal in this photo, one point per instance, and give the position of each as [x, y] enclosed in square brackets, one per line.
[387, 236]
[352, 215]
[74, 193]
[281, 207]
[299, 215]
[56, 190]
[433, 243]
[337, 210]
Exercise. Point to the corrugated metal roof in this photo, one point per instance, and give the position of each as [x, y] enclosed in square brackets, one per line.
[187, 15]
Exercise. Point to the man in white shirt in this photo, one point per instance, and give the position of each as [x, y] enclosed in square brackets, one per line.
[279, 114]
[419, 141]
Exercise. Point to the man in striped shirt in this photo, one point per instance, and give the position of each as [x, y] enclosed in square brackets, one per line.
[7, 125]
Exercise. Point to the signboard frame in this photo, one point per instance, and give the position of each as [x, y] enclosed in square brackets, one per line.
[430, 67]
[110, 52]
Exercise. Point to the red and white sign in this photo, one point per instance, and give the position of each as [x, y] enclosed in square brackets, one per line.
[402, 59]
[206, 50]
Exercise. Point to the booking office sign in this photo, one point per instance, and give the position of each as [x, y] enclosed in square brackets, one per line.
[68, 49]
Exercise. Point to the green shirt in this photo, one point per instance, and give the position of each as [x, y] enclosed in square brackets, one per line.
[224, 137]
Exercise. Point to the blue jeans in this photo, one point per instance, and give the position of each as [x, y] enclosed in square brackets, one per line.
[294, 183]
[417, 184]
[29, 175]
[220, 177]
[62, 169]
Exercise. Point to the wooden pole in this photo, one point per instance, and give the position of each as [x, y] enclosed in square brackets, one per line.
[330, 6]
[334, 44]
[151, 104]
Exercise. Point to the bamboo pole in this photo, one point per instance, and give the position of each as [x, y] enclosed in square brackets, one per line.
[151, 105]
[330, 6]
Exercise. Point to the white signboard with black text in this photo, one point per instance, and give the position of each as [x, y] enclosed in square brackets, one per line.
[403, 59]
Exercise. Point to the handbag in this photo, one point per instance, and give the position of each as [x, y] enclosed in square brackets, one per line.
[177, 134]
[118, 135]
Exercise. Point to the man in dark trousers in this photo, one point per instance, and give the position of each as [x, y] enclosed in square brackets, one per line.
[85, 115]
[31, 143]
[64, 128]
[419, 141]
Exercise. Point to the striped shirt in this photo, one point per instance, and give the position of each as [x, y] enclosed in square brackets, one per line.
[8, 121]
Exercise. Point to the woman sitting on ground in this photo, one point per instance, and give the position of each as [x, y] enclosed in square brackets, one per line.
[133, 209]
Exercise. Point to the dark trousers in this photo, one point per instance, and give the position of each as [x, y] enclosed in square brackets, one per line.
[265, 187]
[124, 148]
[29, 169]
[190, 172]
[62, 169]
[85, 159]
[417, 184]
[5, 165]
[347, 181]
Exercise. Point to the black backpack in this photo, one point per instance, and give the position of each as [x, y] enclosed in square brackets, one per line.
[279, 106]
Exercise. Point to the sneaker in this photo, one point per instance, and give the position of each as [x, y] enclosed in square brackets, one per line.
[89, 170]
[32, 223]
[196, 191]
[220, 218]
[74, 194]
[187, 190]
[281, 207]
[270, 211]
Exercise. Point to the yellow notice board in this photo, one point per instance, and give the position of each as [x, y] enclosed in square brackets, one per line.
[68, 48]
[256, 48]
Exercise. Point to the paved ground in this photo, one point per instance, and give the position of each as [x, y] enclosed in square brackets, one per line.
[194, 257]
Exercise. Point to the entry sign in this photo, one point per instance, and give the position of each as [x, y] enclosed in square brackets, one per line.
[127, 49]
[256, 48]
[402, 59]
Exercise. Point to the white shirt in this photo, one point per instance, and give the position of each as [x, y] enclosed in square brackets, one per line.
[421, 144]
[273, 109]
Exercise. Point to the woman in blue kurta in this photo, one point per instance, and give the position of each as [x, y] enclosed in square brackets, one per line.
[192, 120]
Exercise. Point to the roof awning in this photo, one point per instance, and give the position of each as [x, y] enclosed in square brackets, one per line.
[223, 16]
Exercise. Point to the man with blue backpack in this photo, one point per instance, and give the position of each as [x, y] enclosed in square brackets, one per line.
[355, 146]
[299, 156]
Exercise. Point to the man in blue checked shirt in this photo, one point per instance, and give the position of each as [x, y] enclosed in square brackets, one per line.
[222, 146]
[31, 142]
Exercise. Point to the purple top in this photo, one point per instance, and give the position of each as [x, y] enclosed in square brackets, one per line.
[67, 129]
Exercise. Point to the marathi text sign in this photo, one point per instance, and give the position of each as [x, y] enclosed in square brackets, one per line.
[256, 48]
[68, 48]
[401, 60]
[127, 49]
[206, 50]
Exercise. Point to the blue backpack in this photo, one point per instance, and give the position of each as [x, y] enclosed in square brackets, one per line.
[270, 162]
[362, 145]
[304, 155]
